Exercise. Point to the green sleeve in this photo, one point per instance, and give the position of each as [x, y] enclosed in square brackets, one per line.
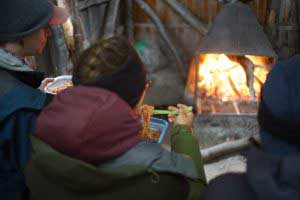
[184, 142]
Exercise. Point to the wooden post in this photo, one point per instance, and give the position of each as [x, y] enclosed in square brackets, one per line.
[78, 36]
[112, 18]
[129, 20]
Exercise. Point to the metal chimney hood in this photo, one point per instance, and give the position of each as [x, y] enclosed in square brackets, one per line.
[236, 31]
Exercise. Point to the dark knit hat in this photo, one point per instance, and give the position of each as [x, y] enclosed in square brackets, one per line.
[20, 18]
[128, 82]
[279, 110]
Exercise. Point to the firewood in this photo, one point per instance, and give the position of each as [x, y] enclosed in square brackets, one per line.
[248, 66]
[187, 16]
[163, 33]
[233, 86]
[227, 148]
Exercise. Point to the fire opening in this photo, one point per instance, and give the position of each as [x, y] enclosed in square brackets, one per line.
[226, 83]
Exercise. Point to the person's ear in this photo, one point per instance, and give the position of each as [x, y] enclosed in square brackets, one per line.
[34, 43]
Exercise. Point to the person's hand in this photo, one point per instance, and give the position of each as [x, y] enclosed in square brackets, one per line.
[44, 83]
[183, 118]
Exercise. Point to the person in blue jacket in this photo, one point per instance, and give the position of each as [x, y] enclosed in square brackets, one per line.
[24, 29]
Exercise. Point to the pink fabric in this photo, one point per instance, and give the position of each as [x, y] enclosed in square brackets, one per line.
[90, 124]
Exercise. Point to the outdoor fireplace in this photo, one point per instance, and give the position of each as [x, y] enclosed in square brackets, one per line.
[231, 65]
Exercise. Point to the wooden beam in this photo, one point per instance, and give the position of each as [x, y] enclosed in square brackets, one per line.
[163, 32]
[77, 29]
[112, 18]
[129, 20]
[187, 16]
[88, 3]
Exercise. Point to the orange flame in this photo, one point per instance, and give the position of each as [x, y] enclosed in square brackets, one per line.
[223, 79]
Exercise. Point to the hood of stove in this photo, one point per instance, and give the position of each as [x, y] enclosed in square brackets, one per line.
[236, 31]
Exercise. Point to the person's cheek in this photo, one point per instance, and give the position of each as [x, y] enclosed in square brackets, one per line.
[42, 42]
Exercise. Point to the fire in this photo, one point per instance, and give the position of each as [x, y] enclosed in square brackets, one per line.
[224, 79]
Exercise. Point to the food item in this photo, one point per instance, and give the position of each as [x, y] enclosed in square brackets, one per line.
[146, 112]
[59, 85]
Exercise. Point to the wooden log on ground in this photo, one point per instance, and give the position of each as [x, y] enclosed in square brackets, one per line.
[163, 32]
[112, 18]
[227, 148]
[187, 16]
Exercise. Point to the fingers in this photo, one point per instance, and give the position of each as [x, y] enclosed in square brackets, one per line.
[172, 108]
[48, 80]
[172, 118]
[181, 105]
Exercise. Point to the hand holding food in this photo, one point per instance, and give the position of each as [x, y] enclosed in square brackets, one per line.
[44, 83]
[183, 118]
[59, 84]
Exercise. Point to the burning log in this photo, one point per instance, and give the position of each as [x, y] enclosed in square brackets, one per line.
[249, 67]
[163, 32]
[233, 86]
[112, 17]
[187, 16]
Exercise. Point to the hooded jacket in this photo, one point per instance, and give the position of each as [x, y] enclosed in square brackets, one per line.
[98, 153]
[267, 177]
[20, 104]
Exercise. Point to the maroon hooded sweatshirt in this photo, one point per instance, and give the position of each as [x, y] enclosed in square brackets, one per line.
[90, 124]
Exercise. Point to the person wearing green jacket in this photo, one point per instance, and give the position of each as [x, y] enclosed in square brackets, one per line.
[88, 142]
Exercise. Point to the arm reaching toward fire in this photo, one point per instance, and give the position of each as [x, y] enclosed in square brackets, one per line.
[184, 142]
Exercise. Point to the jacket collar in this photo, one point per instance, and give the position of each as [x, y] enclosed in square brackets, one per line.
[11, 61]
